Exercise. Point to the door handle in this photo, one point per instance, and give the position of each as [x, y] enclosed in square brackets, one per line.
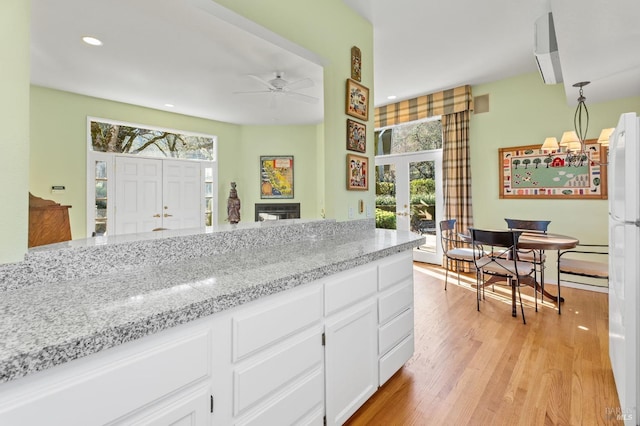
[156, 215]
[168, 215]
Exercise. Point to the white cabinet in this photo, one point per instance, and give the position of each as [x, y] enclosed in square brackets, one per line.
[351, 341]
[271, 370]
[395, 309]
[320, 349]
[351, 360]
[111, 386]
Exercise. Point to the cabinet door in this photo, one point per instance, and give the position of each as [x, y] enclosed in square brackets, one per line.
[192, 409]
[351, 360]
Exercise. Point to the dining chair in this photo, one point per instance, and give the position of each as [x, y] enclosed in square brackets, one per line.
[454, 248]
[586, 260]
[495, 256]
[537, 257]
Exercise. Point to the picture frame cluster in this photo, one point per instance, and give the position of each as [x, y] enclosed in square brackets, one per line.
[357, 106]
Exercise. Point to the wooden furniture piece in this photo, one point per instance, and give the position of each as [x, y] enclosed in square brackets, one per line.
[586, 265]
[537, 241]
[48, 222]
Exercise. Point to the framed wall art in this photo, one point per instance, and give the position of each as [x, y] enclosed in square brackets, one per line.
[356, 63]
[276, 176]
[357, 100]
[528, 172]
[357, 172]
[356, 136]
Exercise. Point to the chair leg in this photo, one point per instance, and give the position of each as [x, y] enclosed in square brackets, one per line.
[521, 305]
[446, 273]
[478, 288]
[559, 299]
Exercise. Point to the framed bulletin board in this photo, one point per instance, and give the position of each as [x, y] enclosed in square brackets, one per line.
[528, 172]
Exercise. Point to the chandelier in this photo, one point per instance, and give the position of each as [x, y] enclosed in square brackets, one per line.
[573, 142]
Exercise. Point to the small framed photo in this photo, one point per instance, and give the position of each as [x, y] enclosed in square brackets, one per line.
[357, 172]
[356, 136]
[276, 176]
[357, 100]
[356, 63]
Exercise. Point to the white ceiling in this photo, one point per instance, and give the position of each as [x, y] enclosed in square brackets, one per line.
[424, 46]
[194, 54]
[167, 51]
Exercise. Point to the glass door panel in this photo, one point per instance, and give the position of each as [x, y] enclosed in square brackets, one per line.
[409, 198]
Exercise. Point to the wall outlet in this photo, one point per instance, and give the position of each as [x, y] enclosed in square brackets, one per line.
[369, 211]
[350, 212]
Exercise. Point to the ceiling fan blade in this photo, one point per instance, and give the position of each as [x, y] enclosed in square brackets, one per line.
[262, 81]
[300, 84]
[251, 92]
[300, 97]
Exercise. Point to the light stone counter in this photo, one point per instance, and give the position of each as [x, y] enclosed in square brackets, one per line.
[69, 300]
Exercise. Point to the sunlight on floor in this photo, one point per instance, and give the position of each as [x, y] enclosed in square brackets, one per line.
[501, 293]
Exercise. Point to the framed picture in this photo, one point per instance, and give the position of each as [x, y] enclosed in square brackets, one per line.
[356, 136]
[356, 63]
[528, 172]
[357, 172]
[357, 100]
[276, 176]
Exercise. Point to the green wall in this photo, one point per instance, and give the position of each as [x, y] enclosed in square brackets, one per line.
[328, 28]
[59, 143]
[14, 122]
[523, 111]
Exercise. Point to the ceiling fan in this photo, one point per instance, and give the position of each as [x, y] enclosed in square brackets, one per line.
[279, 87]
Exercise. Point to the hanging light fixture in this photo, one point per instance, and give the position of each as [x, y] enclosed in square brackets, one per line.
[573, 142]
[576, 150]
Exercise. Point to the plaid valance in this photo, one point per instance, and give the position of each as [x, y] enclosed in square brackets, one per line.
[446, 102]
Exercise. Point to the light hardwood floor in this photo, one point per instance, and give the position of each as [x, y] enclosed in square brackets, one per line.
[487, 368]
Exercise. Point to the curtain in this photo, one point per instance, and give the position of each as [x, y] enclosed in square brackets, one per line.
[441, 103]
[456, 169]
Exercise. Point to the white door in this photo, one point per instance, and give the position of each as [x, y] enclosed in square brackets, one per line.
[416, 217]
[156, 194]
[181, 194]
[138, 195]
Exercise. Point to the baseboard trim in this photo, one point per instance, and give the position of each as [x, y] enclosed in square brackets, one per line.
[579, 286]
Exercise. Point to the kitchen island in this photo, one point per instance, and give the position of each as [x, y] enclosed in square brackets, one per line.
[168, 320]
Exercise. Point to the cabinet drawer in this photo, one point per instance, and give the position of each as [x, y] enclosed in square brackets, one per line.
[396, 330]
[347, 288]
[395, 359]
[395, 269]
[300, 405]
[395, 301]
[256, 380]
[109, 385]
[275, 319]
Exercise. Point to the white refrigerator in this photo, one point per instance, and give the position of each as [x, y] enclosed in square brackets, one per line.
[624, 258]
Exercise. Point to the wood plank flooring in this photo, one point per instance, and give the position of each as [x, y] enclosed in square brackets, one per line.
[487, 368]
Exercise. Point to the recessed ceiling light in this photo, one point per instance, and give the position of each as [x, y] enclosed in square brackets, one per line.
[92, 41]
[391, 97]
[169, 105]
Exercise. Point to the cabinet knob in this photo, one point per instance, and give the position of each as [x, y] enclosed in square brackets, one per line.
[168, 215]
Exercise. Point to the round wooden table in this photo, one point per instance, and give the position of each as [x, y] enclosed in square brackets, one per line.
[532, 240]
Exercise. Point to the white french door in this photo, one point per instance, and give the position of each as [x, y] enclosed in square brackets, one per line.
[402, 168]
[138, 195]
[153, 194]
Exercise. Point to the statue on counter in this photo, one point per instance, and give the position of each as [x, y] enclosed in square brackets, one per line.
[233, 205]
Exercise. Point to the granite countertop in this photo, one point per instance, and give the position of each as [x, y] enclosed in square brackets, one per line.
[48, 323]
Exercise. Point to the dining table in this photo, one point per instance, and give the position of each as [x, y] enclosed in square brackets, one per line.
[539, 241]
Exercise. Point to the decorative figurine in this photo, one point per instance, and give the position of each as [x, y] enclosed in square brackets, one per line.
[233, 205]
